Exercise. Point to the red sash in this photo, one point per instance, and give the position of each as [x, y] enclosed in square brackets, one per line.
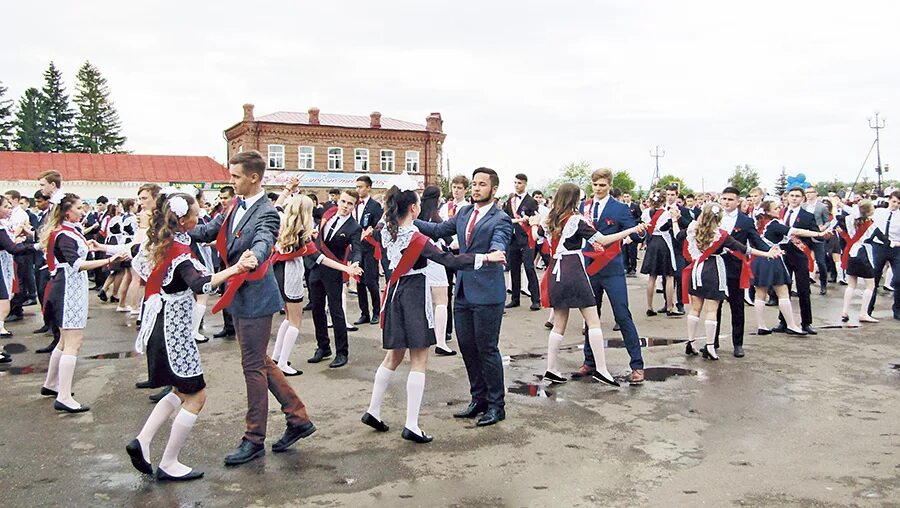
[599, 259]
[763, 222]
[845, 257]
[746, 271]
[307, 250]
[528, 231]
[155, 280]
[689, 269]
[235, 281]
[407, 260]
[51, 259]
[802, 247]
[375, 245]
[222, 237]
[553, 244]
[652, 226]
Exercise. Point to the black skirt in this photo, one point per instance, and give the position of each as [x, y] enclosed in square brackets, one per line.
[859, 266]
[709, 277]
[573, 291]
[5, 293]
[769, 272]
[405, 323]
[833, 245]
[279, 278]
[158, 368]
[657, 258]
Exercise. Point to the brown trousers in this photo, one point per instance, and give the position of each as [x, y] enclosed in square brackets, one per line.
[262, 376]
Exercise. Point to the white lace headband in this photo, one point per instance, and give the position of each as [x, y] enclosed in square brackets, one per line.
[178, 205]
[715, 210]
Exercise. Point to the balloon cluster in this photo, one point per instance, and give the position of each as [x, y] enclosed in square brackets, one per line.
[798, 180]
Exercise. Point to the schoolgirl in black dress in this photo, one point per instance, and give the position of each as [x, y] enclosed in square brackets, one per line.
[123, 271]
[407, 320]
[166, 334]
[66, 305]
[772, 272]
[566, 285]
[112, 233]
[8, 248]
[858, 259]
[706, 244]
[659, 256]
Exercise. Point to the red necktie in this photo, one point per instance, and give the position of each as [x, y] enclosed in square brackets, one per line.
[471, 226]
[452, 209]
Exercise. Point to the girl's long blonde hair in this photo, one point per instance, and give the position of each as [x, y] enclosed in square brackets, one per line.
[297, 227]
[707, 225]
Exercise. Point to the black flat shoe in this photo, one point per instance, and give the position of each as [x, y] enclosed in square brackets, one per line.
[318, 356]
[472, 411]
[102, 296]
[443, 352]
[763, 331]
[41, 330]
[162, 476]
[245, 452]
[780, 329]
[738, 352]
[535, 306]
[689, 348]
[352, 328]
[603, 379]
[59, 406]
[137, 457]
[651, 313]
[375, 320]
[511, 305]
[548, 325]
[801, 333]
[554, 378]
[143, 384]
[415, 438]
[46, 349]
[490, 417]
[339, 361]
[373, 422]
[223, 334]
[845, 319]
[674, 313]
[292, 374]
[12, 318]
[292, 434]
[6, 335]
[363, 320]
[158, 396]
[46, 392]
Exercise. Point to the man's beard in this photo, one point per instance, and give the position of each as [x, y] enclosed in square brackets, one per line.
[485, 200]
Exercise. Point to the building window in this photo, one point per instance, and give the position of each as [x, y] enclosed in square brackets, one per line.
[306, 157]
[335, 159]
[387, 161]
[240, 148]
[412, 161]
[361, 159]
[276, 156]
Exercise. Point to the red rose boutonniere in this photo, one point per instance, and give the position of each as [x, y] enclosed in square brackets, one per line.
[610, 222]
[736, 230]
[237, 234]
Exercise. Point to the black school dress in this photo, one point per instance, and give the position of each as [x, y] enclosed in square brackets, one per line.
[862, 257]
[771, 272]
[711, 282]
[567, 282]
[66, 304]
[8, 249]
[291, 275]
[659, 257]
[408, 321]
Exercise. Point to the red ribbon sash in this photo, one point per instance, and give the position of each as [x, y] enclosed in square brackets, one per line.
[407, 260]
[307, 250]
[51, 259]
[845, 257]
[371, 241]
[222, 237]
[155, 280]
[599, 259]
[235, 281]
[689, 269]
[652, 226]
[763, 222]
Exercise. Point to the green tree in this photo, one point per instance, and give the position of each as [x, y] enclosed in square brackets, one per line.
[667, 179]
[6, 120]
[58, 115]
[98, 128]
[30, 134]
[781, 182]
[744, 178]
[578, 173]
[623, 181]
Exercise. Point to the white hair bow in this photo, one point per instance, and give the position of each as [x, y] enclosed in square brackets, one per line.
[715, 209]
[179, 206]
[404, 182]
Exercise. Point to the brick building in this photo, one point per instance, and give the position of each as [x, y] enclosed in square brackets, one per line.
[327, 150]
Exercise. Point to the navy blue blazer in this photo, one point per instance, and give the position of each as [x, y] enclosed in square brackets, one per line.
[745, 232]
[615, 218]
[486, 285]
[257, 231]
[805, 220]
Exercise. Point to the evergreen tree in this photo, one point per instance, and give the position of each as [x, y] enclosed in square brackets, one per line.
[58, 119]
[30, 135]
[99, 129]
[781, 182]
[6, 120]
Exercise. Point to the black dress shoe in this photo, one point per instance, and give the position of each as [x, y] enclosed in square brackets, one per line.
[339, 361]
[102, 296]
[137, 457]
[224, 333]
[674, 313]
[801, 333]
[823, 290]
[29, 302]
[292, 434]
[352, 328]
[810, 330]
[738, 352]
[308, 307]
[535, 306]
[763, 331]
[373, 422]
[48, 348]
[491, 416]
[143, 384]
[773, 302]
[444, 352]
[375, 320]
[363, 320]
[162, 476]
[554, 378]
[472, 411]
[43, 329]
[511, 305]
[651, 313]
[158, 396]
[415, 438]
[318, 356]
[782, 328]
[245, 452]
[47, 392]
[12, 318]
[59, 406]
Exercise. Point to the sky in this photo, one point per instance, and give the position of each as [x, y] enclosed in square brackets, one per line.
[525, 86]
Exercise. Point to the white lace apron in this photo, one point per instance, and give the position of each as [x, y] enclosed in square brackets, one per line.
[75, 292]
[694, 250]
[569, 230]
[394, 247]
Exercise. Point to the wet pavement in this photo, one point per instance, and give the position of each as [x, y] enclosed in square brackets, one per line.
[808, 421]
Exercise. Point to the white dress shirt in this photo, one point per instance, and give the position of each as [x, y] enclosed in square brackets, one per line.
[482, 211]
[600, 204]
[360, 207]
[239, 212]
[881, 218]
[334, 224]
[729, 220]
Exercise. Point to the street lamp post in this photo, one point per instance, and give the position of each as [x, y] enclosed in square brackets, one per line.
[878, 169]
[656, 155]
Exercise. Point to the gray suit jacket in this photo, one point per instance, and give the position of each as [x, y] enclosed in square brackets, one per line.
[257, 231]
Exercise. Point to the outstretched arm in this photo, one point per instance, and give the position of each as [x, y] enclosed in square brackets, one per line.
[205, 233]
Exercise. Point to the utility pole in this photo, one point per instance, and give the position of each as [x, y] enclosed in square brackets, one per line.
[877, 126]
[656, 155]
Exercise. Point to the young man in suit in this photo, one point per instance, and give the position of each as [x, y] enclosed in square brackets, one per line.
[797, 254]
[609, 216]
[338, 239]
[820, 212]
[226, 198]
[367, 213]
[684, 220]
[630, 249]
[333, 196]
[742, 228]
[888, 221]
[478, 306]
[520, 206]
[252, 224]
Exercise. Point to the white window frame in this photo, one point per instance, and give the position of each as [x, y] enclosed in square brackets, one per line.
[387, 162]
[271, 154]
[410, 161]
[357, 160]
[301, 157]
[241, 149]
[339, 160]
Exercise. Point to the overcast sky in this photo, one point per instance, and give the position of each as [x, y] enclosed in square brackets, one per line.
[522, 86]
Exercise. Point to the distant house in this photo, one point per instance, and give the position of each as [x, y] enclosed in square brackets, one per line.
[110, 175]
[329, 150]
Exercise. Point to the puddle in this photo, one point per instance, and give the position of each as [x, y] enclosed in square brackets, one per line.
[114, 356]
[838, 326]
[663, 373]
[8, 370]
[15, 348]
[645, 342]
[530, 390]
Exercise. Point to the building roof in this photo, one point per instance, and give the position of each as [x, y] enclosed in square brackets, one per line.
[352, 121]
[112, 167]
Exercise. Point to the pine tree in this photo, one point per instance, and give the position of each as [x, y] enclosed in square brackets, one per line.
[99, 129]
[6, 120]
[30, 135]
[781, 182]
[58, 120]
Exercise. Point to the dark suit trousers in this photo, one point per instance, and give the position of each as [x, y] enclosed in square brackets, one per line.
[25, 273]
[478, 332]
[819, 252]
[321, 288]
[630, 252]
[618, 299]
[736, 303]
[798, 268]
[887, 255]
[368, 287]
[263, 376]
[520, 255]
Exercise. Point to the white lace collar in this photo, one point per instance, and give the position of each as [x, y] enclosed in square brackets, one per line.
[183, 238]
[396, 246]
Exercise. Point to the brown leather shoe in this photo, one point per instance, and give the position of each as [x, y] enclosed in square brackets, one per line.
[584, 371]
[636, 377]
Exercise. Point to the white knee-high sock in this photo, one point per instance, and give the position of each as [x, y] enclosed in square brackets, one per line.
[759, 306]
[279, 340]
[848, 296]
[553, 342]
[864, 306]
[52, 380]
[787, 310]
[3, 326]
[595, 339]
[199, 311]
[440, 325]
[161, 412]
[66, 375]
[415, 389]
[181, 429]
[692, 321]
[290, 338]
[711, 335]
[382, 379]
